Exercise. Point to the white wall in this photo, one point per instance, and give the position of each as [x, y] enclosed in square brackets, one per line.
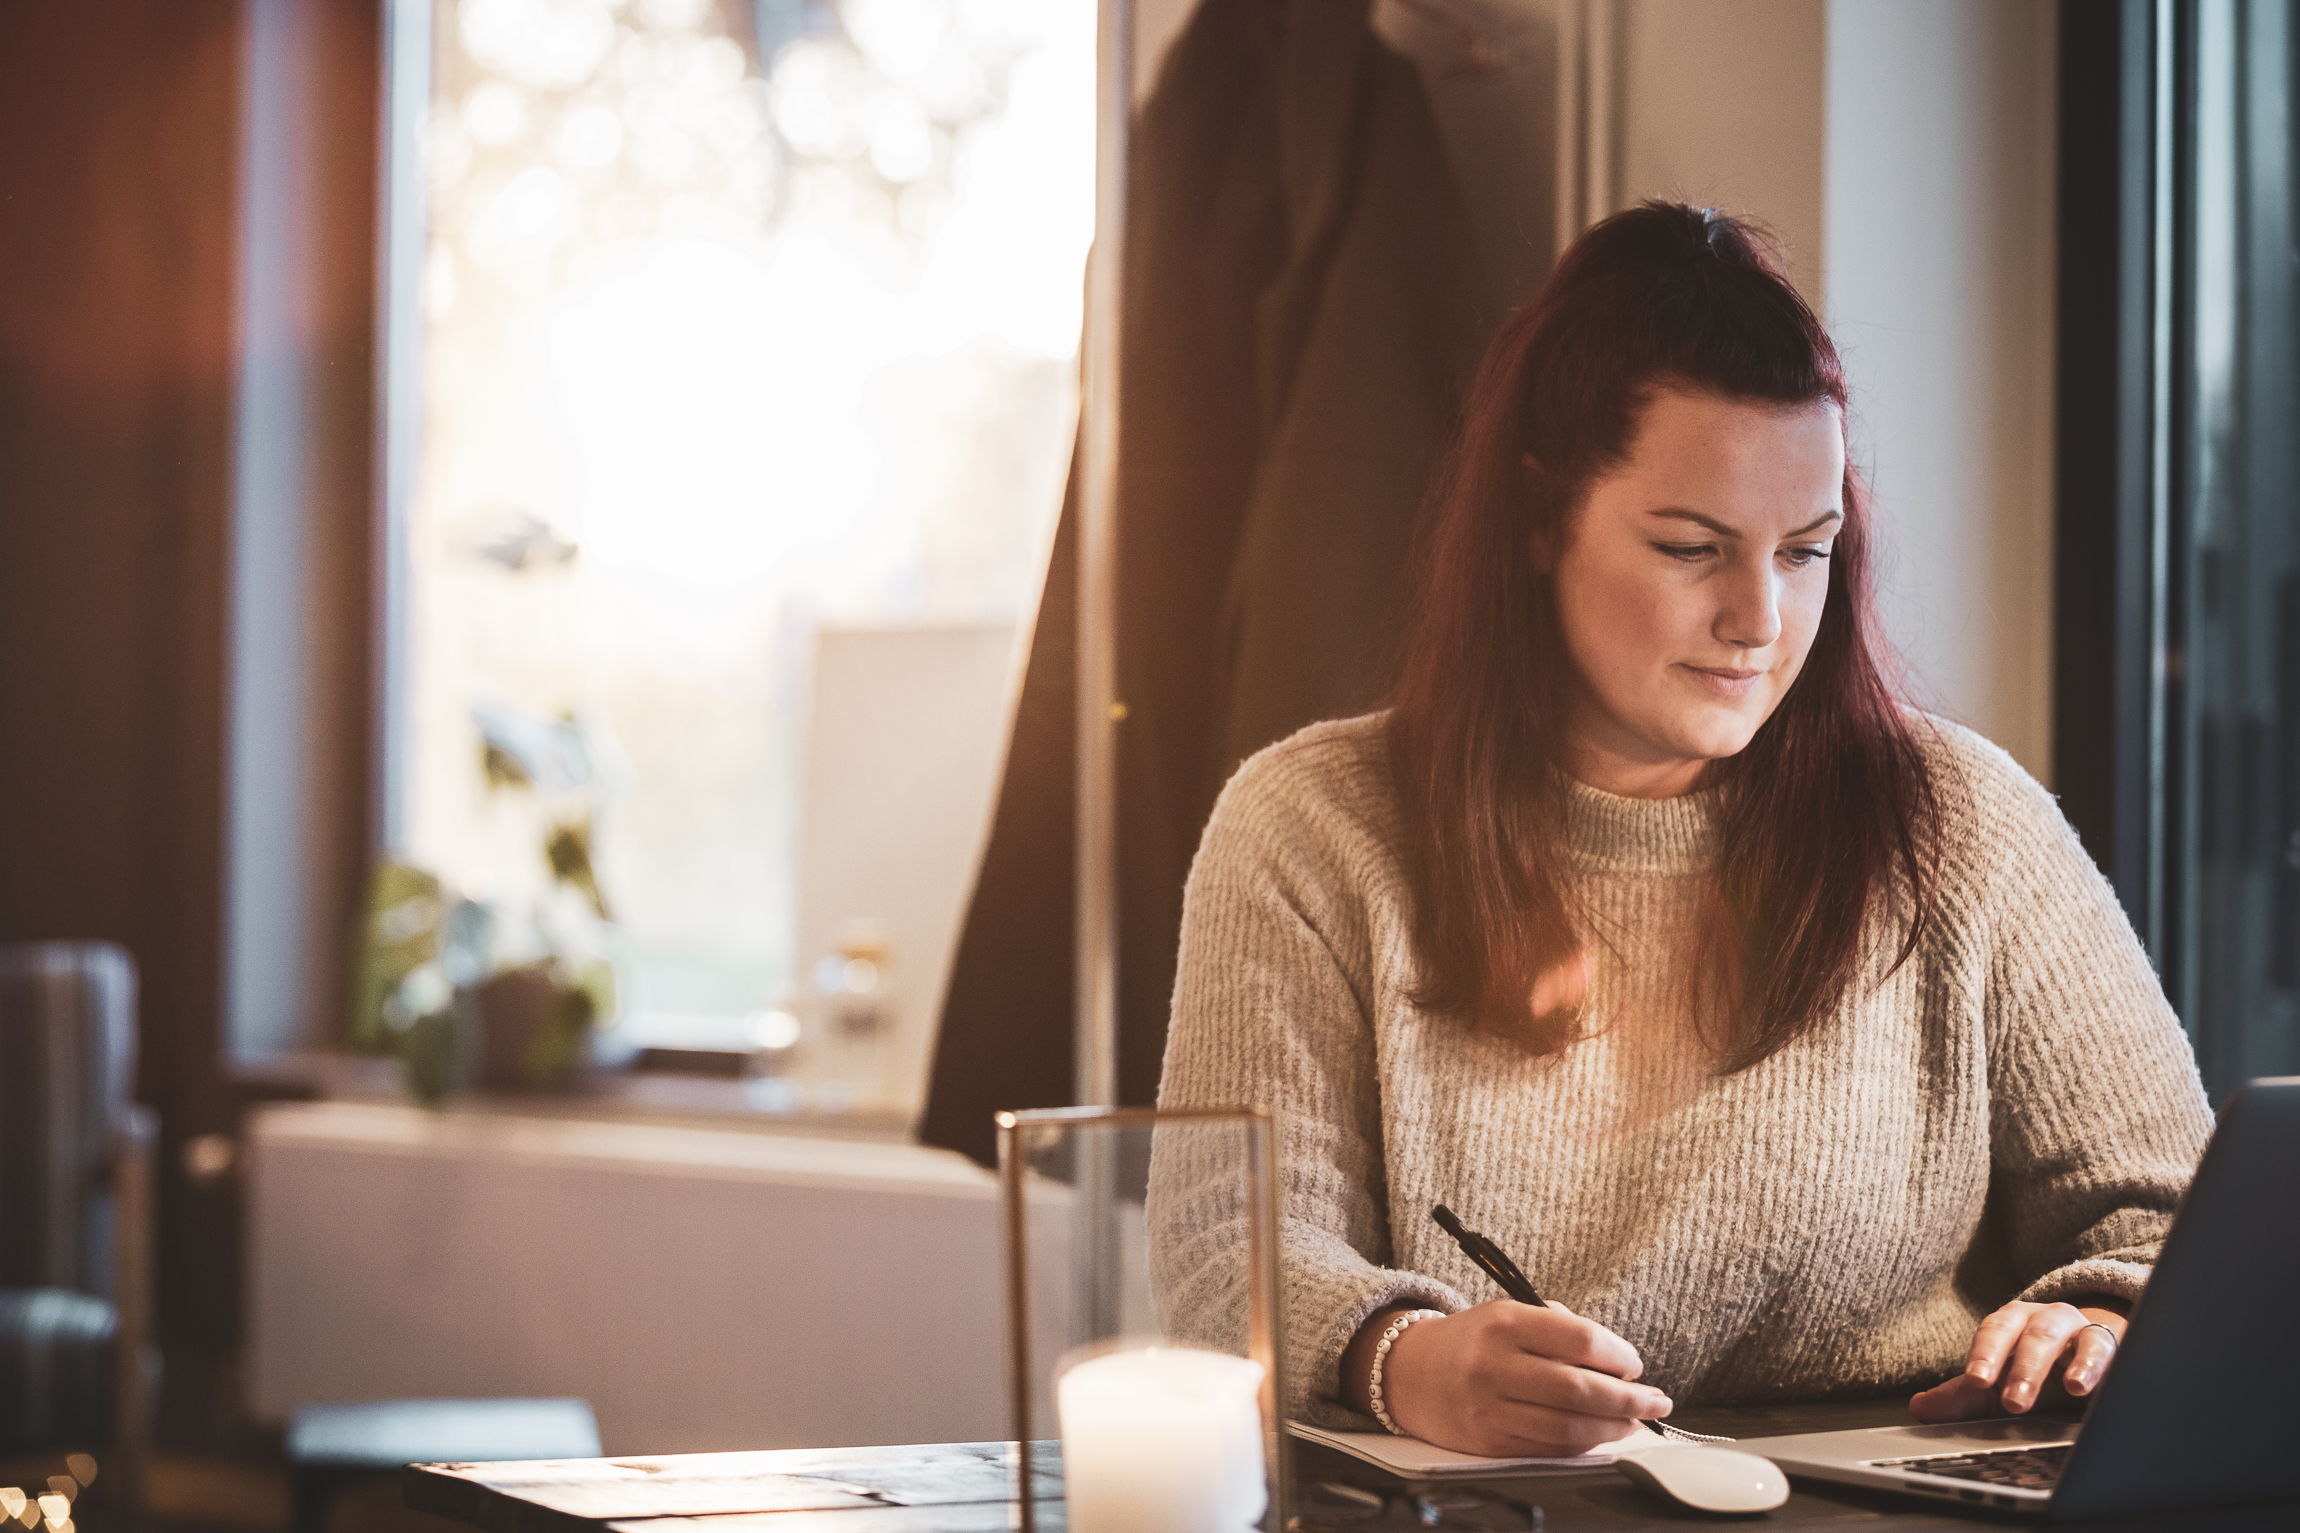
[1939, 278]
[1724, 106]
[1904, 153]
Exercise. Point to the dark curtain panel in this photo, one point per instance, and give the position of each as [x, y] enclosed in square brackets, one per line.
[1302, 307]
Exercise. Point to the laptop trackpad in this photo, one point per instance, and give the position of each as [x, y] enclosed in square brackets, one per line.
[1997, 1432]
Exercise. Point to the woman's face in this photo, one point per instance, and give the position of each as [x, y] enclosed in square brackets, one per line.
[1691, 582]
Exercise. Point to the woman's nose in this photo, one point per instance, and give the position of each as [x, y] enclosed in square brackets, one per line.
[1751, 615]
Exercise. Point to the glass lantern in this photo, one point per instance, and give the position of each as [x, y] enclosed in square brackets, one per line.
[1143, 1323]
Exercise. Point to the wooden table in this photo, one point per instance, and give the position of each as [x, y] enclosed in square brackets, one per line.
[965, 1488]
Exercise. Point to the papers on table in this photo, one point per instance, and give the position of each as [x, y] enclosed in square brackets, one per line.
[1412, 1459]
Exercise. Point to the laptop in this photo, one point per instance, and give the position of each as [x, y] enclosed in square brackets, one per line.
[2201, 1406]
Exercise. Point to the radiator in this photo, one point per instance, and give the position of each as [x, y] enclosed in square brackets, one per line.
[704, 1289]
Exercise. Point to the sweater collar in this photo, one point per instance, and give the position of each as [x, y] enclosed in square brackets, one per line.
[1608, 833]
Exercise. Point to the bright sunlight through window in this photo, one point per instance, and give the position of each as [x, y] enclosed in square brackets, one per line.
[722, 357]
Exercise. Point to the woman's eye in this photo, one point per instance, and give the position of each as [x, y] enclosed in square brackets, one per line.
[1798, 558]
[1689, 552]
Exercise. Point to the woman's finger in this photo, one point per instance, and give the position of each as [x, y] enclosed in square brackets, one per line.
[1540, 1431]
[2089, 1358]
[1551, 1331]
[1959, 1399]
[1993, 1342]
[1545, 1383]
[2043, 1341]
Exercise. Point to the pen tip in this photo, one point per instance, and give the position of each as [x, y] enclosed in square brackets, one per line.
[1445, 1218]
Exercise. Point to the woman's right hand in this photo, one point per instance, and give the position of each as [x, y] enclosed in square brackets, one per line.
[1508, 1380]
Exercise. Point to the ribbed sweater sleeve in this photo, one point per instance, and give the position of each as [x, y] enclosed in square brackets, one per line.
[2096, 1115]
[1272, 1008]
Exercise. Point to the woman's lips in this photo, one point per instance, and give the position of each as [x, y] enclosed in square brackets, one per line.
[1723, 681]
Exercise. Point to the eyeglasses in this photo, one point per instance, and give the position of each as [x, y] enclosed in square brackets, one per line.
[1329, 1504]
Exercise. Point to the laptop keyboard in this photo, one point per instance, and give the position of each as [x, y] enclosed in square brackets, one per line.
[2026, 1468]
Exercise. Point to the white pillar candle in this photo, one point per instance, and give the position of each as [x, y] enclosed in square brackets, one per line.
[1162, 1440]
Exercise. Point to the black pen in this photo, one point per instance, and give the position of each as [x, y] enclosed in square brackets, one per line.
[1496, 1264]
[1487, 1255]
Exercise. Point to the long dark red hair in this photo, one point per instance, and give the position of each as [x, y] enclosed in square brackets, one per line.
[1830, 796]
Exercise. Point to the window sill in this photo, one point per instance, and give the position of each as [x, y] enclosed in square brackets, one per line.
[692, 1101]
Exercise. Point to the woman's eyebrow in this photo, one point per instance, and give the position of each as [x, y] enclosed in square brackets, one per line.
[1698, 520]
[1724, 531]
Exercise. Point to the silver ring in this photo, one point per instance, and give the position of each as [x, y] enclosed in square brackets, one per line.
[2104, 1330]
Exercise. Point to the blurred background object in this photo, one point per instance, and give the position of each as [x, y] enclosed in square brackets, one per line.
[704, 1288]
[78, 1369]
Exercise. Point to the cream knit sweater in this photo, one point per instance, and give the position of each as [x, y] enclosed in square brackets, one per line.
[2013, 1112]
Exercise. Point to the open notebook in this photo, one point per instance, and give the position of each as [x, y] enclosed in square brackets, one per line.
[1412, 1459]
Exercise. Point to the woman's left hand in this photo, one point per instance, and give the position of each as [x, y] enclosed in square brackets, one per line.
[2025, 1353]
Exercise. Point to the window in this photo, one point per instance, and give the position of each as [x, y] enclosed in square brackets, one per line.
[2179, 583]
[2231, 753]
[748, 361]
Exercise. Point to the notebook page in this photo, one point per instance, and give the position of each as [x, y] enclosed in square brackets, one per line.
[1411, 1458]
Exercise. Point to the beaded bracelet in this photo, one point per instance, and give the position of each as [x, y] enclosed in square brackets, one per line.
[1381, 1356]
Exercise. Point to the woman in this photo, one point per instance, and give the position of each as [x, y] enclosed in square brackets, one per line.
[1785, 1036]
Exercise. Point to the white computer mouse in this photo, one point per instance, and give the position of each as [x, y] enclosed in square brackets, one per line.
[1707, 1479]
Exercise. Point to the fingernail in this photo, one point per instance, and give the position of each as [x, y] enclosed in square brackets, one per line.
[1984, 1370]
